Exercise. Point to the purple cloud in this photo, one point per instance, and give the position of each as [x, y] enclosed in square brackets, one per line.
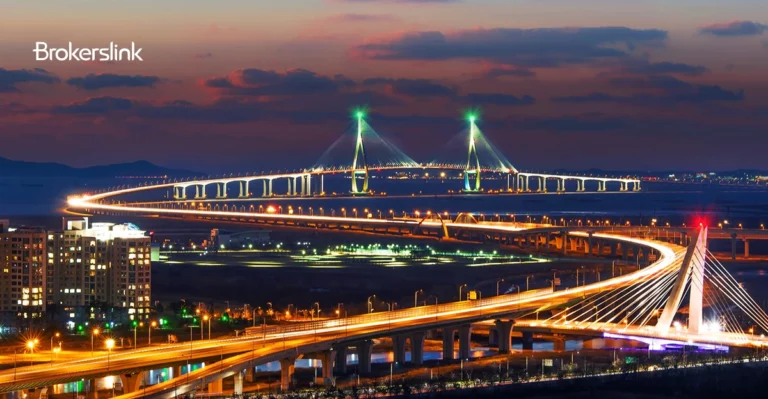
[498, 99]
[526, 47]
[109, 80]
[643, 67]
[660, 91]
[10, 78]
[494, 73]
[351, 17]
[259, 82]
[734, 28]
[413, 87]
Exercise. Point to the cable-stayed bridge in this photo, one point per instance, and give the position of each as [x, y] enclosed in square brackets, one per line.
[641, 305]
[373, 153]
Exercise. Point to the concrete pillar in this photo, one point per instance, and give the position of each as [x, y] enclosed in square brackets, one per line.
[564, 242]
[746, 248]
[624, 251]
[131, 382]
[527, 340]
[559, 344]
[733, 246]
[92, 389]
[448, 334]
[465, 336]
[327, 358]
[176, 371]
[493, 337]
[589, 245]
[364, 349]
[341, 360]
[238, 387]
[216, 386]
[250, 374]
[287, 366]
[417, 348]
[398, 347]
[264, 192]
[613, 248]
[504, 330]
[548, 237]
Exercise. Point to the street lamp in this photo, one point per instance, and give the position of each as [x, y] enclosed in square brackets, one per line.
[205, 318]
[460, 287]
[110, 343]
[416, 297]
[526, 281]
[94, 333]
[57, 335]
[31, 346]
[149, 331]
[497, 285]
[370, 304]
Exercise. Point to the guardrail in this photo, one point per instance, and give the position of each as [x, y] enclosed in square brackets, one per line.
[417, 312]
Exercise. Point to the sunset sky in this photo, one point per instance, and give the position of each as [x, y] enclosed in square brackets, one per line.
[229, 86]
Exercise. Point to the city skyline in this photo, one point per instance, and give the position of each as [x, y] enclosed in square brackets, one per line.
[642, 86]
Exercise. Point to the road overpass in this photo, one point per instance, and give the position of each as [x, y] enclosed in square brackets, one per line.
[326, 338]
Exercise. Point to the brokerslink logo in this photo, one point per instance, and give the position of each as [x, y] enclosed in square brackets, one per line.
[71, 53]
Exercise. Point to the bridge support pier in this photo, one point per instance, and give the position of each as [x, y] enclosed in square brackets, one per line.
[559, 344]
[448, 335]
[417, 348]
[93, 392]
[364, 350]
[326, 359]
[504, 332]
[131, 382]
[238, 386]
[564, 242]
[199, 191]
[341, 360]
[527, 340]
[287, 367]
[746, 248]
[244, 189]
[221, 190]
[398, 347]
[465, 337]
[588, 247]
[216, 386]
[733, 246]
[250, 374]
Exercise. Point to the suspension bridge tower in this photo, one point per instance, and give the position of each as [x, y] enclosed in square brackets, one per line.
[359, 163]
[472, 171]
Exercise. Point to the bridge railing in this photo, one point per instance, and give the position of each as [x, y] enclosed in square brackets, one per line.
[397, 315]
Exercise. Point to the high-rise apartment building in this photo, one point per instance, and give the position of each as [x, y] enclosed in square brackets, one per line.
[100, 268]
[22, 273]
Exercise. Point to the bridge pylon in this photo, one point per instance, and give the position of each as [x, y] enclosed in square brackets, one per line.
[472, 170]
[359, 163]
[691, 270]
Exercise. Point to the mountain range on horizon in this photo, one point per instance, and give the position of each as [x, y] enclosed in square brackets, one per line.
[141, 168]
